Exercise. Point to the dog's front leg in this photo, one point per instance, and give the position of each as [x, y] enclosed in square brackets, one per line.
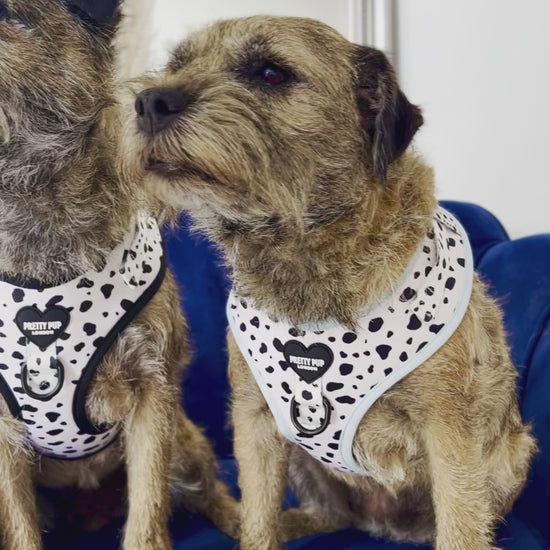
[148, 451]
[18, 515]
[459, 486]
[262, 457]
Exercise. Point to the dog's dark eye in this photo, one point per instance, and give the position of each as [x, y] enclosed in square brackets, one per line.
[268, 75]
[272, 75]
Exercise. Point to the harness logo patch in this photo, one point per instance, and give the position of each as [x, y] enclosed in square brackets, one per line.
[42, 328]
[308, 363]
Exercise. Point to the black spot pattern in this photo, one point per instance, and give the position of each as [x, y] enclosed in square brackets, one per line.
[408, 294]
[89, 328]
[436, 328]
[107, 290]
[296, 332]
[126, 304]
[146, 268]
[345, 399]
[450, 283]
[383, 351]
[277, 345]
[376, 324]
[54, 301]
[414, 322]
[345, 369]
[349, 337]
[85, 283]
[52, 416]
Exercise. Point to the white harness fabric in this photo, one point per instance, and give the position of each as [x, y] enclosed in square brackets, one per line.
[319, 381]
[53, 338]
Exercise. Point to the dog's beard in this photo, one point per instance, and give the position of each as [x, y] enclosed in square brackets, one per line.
[172, 170]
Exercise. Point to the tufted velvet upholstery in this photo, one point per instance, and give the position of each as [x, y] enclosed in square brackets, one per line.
[518, 274]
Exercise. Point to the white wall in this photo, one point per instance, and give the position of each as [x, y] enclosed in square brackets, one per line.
[480, 69]
[173, 19]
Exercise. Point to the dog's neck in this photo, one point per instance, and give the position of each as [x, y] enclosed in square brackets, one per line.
[61, 220]
[335, 270]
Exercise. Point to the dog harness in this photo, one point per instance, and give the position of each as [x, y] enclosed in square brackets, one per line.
[52, 340]
[320, 381]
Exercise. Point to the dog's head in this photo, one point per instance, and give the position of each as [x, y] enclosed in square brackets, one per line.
[55, 72]
[268, 123]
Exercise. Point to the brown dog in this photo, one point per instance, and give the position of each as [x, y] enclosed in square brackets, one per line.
[65, 220]
[287, 144]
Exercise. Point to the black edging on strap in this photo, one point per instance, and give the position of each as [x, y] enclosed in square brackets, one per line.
[79, 403]
[10, 399]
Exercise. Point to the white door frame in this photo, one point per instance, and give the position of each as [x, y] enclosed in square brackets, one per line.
[373, 23]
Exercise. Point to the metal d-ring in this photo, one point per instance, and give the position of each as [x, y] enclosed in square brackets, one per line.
[309, 431]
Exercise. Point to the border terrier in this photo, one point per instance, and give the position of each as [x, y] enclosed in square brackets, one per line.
[92, 339]
[368, 365]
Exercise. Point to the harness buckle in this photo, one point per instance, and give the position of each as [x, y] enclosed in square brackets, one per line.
[295, 409]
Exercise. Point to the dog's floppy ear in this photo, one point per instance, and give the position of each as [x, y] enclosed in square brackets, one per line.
[387, 117]
[101, 15]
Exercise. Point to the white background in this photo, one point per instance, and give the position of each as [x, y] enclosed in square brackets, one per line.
[479, 69]
[173, 19]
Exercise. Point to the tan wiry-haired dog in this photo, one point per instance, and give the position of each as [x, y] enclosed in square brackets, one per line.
[89, 352]
[287, 144]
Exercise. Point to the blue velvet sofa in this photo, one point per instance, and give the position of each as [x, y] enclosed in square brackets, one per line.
[518, 272]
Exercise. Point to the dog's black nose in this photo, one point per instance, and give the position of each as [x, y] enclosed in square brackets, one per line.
[157, 108]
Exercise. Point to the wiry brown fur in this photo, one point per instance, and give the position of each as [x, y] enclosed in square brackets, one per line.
[306, 189]
[63, 208]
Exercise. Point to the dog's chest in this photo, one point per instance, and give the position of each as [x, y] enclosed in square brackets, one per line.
[319, 382]
[53, 339]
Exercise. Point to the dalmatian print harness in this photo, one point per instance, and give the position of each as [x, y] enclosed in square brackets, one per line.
[320, 381]
[53, 338]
